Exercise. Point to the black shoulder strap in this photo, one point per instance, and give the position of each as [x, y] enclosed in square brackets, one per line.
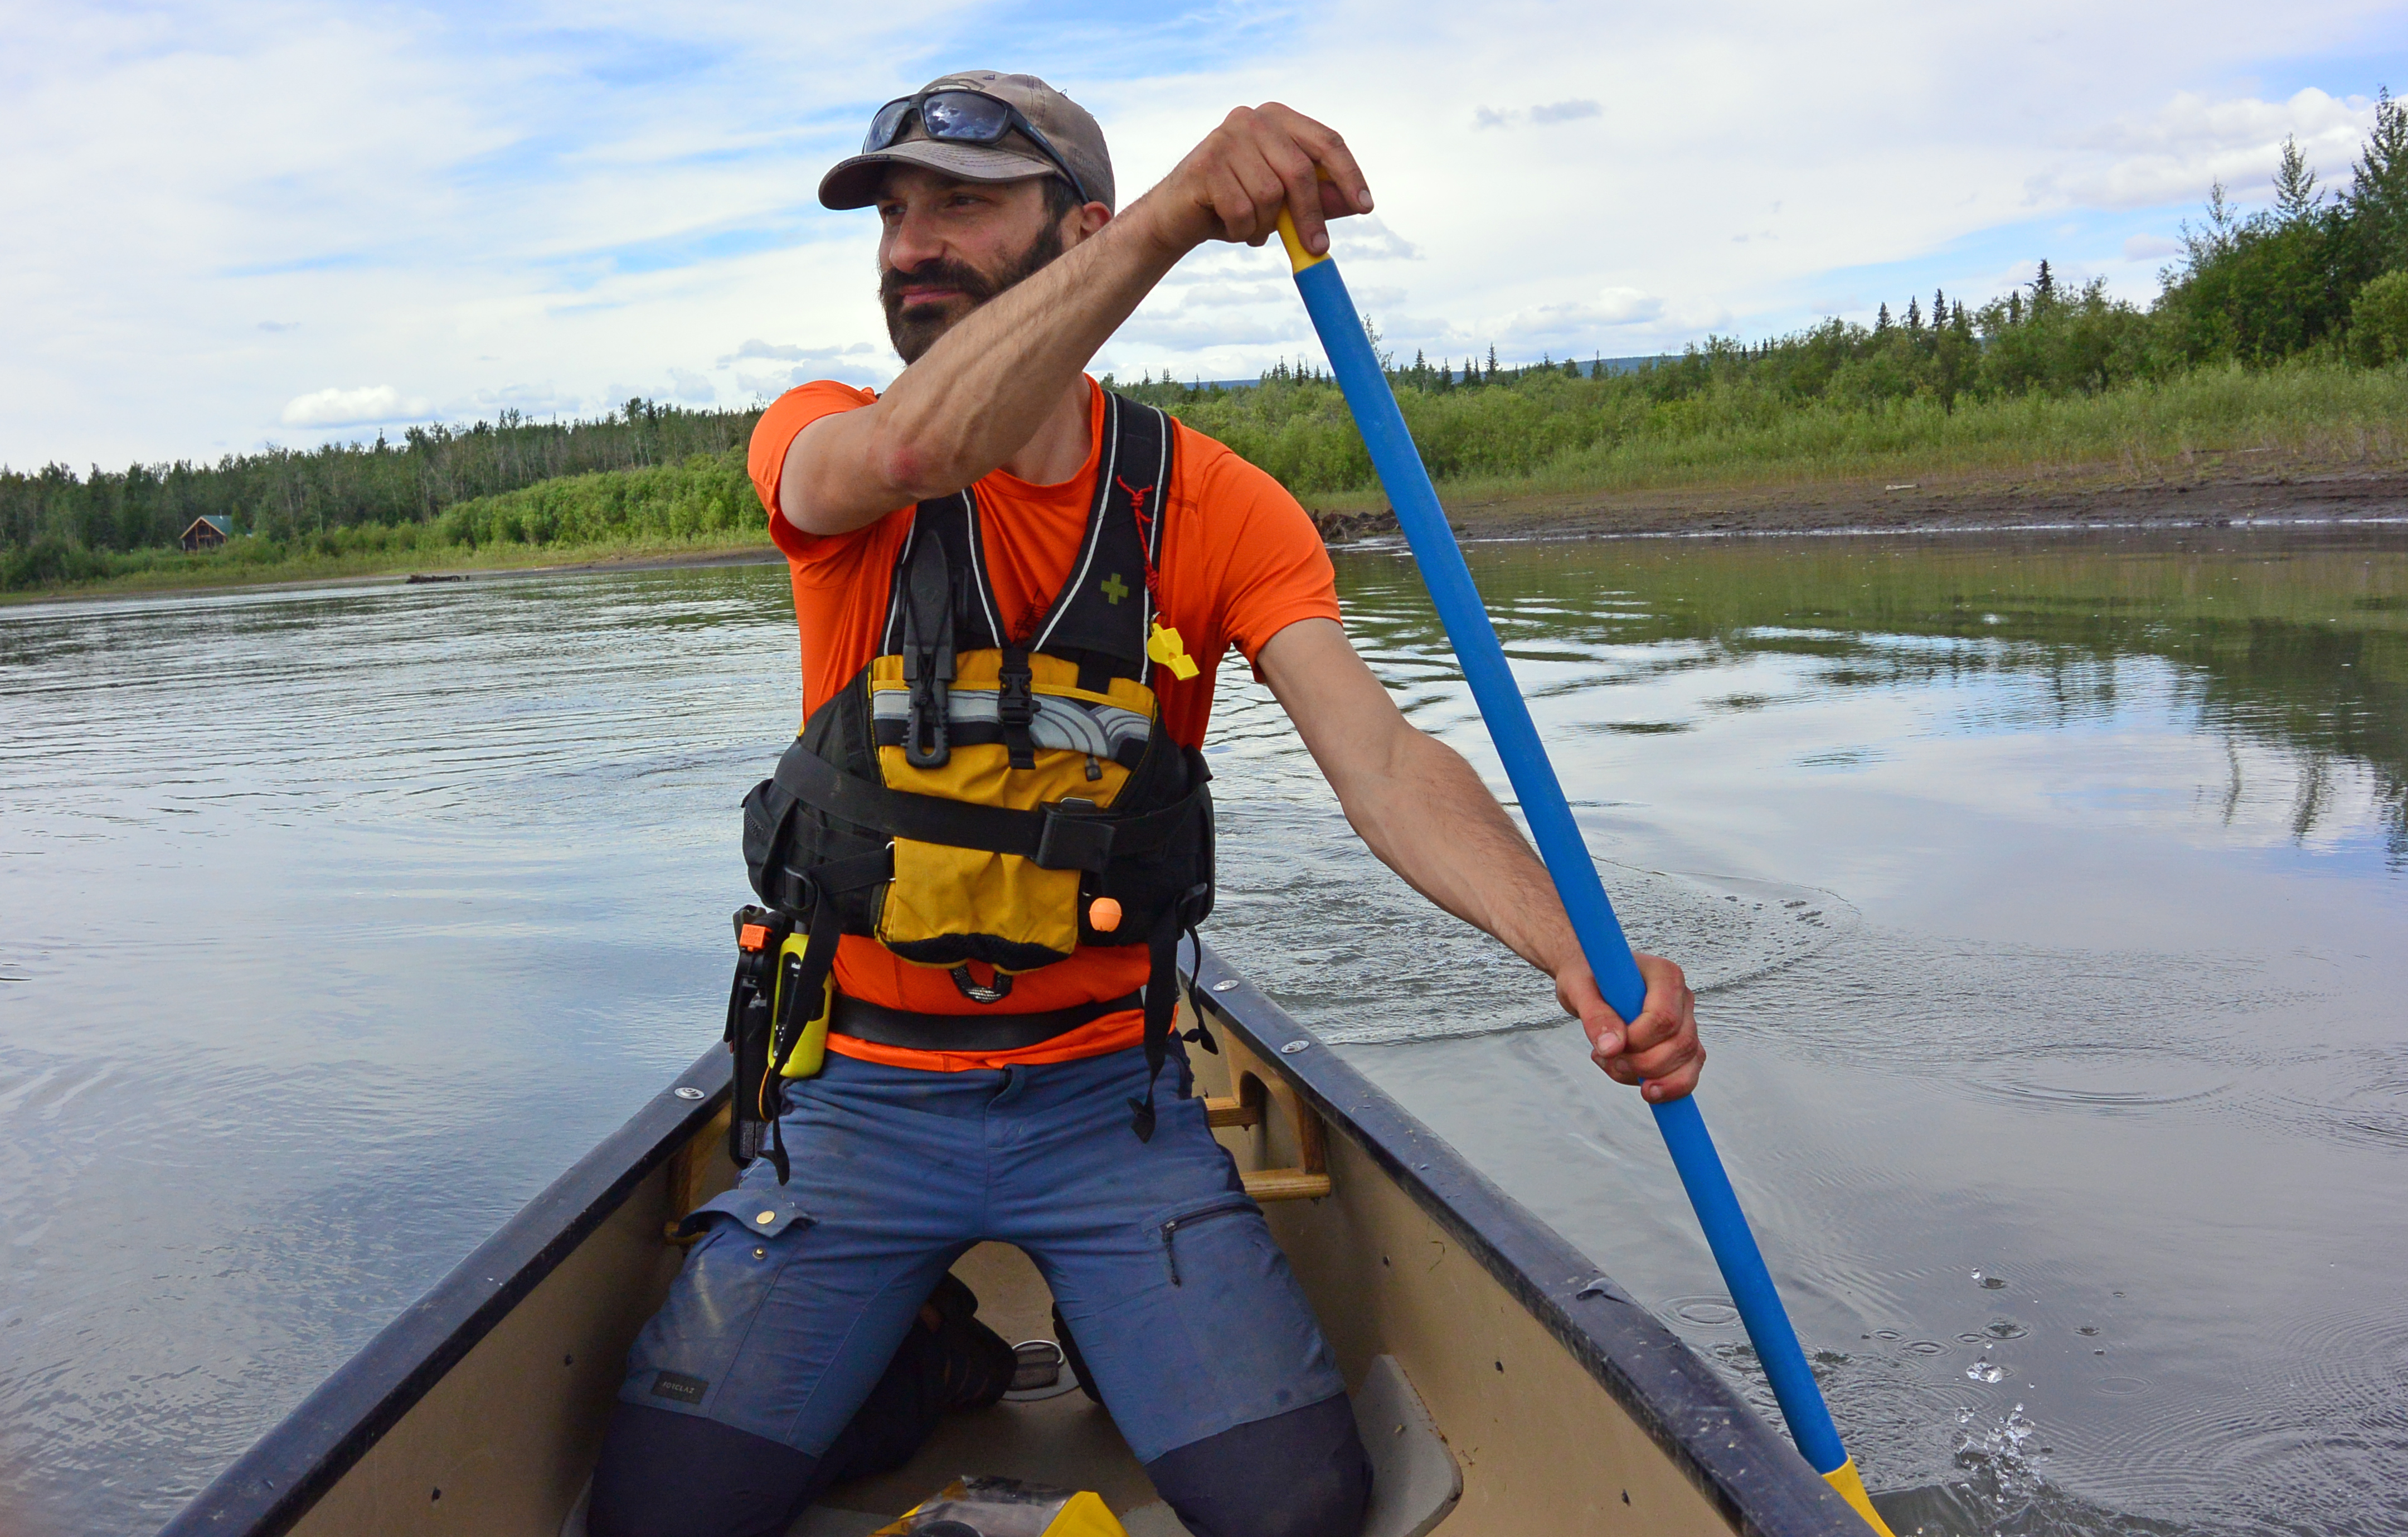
[1102, 617]
[950, 525]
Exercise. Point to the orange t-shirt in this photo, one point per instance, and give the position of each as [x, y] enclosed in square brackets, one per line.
[1240, 562]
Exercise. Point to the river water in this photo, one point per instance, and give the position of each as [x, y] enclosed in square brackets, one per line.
[2045, 894]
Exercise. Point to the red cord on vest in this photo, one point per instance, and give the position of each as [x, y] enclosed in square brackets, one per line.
[1144, 538]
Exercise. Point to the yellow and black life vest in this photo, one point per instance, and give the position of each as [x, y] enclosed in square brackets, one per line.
[973, 796]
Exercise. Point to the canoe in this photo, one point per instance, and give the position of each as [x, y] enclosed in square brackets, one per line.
[1503, 1384]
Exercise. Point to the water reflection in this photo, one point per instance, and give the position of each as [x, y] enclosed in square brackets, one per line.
[2046, 895]
[2295, 643]
[2105, 840]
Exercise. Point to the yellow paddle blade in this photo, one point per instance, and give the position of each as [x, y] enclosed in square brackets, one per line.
[1852, 1488]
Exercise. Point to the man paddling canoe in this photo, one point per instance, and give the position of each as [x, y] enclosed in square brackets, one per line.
[1013, 591]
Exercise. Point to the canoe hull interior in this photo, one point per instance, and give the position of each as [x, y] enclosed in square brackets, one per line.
[502, 1444]
[1565, 1407]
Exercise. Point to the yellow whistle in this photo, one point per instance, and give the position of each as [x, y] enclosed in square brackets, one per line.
[1165, 646]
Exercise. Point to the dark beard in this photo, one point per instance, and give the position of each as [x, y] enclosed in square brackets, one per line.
[915, 330]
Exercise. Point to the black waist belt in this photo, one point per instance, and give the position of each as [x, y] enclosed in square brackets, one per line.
[883, 1027]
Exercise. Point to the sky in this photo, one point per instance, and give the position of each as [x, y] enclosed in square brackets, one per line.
[236, 224]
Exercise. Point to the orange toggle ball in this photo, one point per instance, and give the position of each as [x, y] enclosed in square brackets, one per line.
[1103, 914]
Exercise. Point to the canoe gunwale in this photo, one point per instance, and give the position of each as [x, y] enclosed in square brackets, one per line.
[1754, 1476]
[274, 1484]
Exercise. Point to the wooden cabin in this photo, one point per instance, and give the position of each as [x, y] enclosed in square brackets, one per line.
[208, 532]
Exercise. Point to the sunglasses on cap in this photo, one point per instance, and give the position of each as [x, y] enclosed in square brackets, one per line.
[957, 116]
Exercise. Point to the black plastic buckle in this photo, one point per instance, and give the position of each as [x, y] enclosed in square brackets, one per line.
[928, 722]
[1076, 837]
[1015, 706]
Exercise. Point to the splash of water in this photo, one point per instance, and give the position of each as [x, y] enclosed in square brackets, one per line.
[2003, 1491]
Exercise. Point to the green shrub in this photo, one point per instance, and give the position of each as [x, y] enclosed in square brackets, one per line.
[51, 561]
[2378, 322]
[704, 494]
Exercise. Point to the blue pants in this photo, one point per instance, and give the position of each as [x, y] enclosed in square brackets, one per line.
[793, 1302]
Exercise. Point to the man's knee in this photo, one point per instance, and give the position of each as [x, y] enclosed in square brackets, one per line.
[665, 1474]
[1298, 1475]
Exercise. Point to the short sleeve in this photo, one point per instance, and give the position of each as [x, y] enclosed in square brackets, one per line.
[775, 433]
[1273, 567]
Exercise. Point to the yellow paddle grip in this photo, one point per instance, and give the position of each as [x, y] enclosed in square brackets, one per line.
[1852, 1489]
[1297, 257]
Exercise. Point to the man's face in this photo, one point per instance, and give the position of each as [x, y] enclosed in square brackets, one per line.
[947, 247]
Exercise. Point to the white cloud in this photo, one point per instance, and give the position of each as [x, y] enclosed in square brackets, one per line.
[1261, 290]
[794, 353]
[1367, 239]
[692, 388]
[2147, 248]
[522, 207]
[1545, 115]
[1565, 111]
[842, 368]
[1613, 308]
[368, 405]
[2173, 153]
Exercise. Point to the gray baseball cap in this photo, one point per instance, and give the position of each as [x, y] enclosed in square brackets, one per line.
[852, 184]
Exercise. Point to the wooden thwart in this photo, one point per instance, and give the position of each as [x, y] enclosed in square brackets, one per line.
[1249, 1109]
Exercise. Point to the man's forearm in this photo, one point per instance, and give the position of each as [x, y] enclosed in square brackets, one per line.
[1430, 819]
[984, 389]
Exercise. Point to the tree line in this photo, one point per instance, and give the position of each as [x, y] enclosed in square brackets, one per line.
[2319, 274]
[2320, 277]
[52, 518]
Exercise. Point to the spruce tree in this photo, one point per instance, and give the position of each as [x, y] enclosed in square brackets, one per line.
[2295, 185]
[1492, 362]
[1913, 317]
[1881, 322]
[2044, 287]
[2378, 192]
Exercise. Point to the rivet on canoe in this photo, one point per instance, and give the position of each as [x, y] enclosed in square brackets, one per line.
[765, 1218]
[687, 1091]
[1295, 1046]
[1225, 984]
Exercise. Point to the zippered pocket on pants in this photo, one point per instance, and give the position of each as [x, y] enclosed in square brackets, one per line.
[1226, 1206]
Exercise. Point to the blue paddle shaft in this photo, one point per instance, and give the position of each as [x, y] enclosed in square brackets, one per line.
[1560, 845]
